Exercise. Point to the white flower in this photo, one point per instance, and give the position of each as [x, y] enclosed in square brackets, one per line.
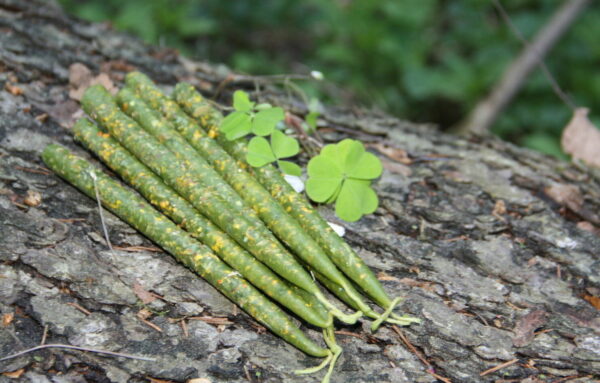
[317, 75]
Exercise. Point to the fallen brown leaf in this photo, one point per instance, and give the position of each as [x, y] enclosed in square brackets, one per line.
[587, 226]
[594, 301]
[386, 277]
[14, 374]
[144, 314]
[81, 77]
[144, 295]
[394, 167]
[525, 327]
[33, 198]
[7, 319]
[13, 89]
[581, 139]
[393, 153]
[566, 195]
[499, 208]
[155, 380]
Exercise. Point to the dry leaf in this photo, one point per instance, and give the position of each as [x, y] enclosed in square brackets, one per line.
[144, 314]
[393, 153]
[594, 301]
[587, 226]
[13, 89]
[144, 295]
[7, 319]
[33, 198]
[199, 380]
[499, 208]
[566, 195]
[80, 78]
[525, 327]
[581, 139]
[386, 277]
[14, 374]
[394, 167]
[155, 380]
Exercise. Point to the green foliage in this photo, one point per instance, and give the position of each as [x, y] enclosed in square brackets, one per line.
[260, 152]
[342, 173]
[250, 118]
[428, 60]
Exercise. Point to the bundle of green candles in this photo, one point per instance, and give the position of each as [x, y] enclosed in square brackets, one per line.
[243, 229]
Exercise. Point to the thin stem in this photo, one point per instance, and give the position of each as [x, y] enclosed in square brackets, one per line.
[69, 347]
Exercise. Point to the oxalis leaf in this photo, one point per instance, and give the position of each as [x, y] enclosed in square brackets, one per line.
[265, 120]
[342, 173]
[261, 152]
[236, 125]
[241, 101]
[249, 118]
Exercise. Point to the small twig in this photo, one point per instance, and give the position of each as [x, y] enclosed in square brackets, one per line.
[414, 350]
[80, 308]
[95, 179]
[557, 89]
[70, 347]
[212, 320]
[184, 328]
[349, 333]
[499, 367]
[44, 335]
[133, 249]
[487, 110]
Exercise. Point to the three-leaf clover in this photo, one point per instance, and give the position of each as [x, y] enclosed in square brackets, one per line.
[248, 117]
[260, 152]
[342, 173]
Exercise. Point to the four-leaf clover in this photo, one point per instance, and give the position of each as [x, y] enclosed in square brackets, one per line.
[343, 172]
[260, 152]
[248, 118]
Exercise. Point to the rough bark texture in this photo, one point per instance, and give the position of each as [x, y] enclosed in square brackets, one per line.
[485, 240]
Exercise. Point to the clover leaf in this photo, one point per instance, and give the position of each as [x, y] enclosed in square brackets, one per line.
[342, 173]
[249, 118]
[261, 152]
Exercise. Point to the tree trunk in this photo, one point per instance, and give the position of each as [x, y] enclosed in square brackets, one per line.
[495, 247]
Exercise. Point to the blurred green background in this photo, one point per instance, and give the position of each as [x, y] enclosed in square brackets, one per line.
[422, 60]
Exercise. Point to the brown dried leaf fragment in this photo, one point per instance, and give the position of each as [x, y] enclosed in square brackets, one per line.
[593, 300]
[7, 319]
[81, 78]
[13, 89]
[581, 139]
[14, 374]
[566, 195]
[144, 295]
[525, 327]
[33, 198]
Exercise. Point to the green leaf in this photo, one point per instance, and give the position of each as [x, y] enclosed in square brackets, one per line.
[259, 152]
[264, 121]
[324, 178]
[350, 153]
[355, 199]
[284, 146]
[236, 125]
[367, 167]
[262, 106]
[311, 121]
[241, 101]
[290, 168]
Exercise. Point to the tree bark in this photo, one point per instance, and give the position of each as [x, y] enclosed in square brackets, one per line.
[495, 247]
